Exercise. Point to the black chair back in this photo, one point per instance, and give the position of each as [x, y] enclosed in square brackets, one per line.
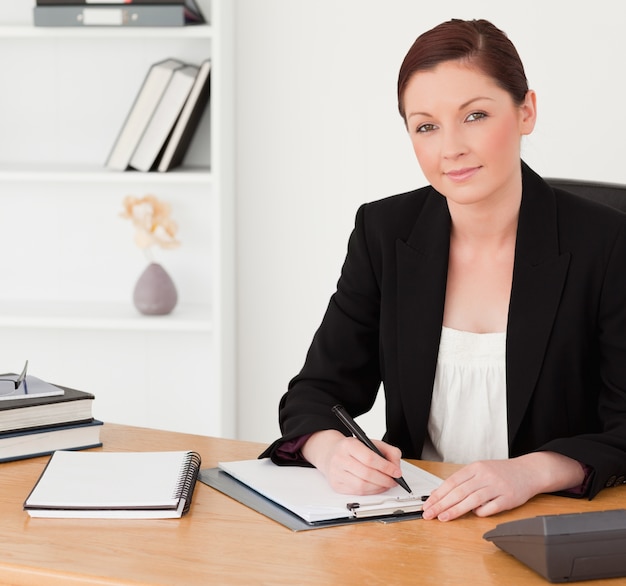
[611, 194]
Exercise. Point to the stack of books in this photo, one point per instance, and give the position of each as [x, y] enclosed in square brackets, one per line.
[37, 418]
[163, 117]
[117, 13]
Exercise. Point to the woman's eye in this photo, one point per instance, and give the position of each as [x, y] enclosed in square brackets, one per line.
[474, 116]
[425, 128]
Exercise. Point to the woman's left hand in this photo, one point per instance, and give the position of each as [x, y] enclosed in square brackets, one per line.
[491, 486]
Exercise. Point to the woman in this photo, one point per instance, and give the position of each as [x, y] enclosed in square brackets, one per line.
[491, 307]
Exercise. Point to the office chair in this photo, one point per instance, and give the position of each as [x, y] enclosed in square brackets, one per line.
[611, 194]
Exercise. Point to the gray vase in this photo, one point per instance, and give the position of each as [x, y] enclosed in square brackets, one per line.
[155, 292]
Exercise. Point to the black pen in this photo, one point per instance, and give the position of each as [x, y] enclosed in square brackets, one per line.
[345, 418]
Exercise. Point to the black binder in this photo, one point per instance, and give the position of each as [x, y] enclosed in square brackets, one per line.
[120, 15]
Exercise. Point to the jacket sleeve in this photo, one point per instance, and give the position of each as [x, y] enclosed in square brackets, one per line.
[605, 451]
[342, 363]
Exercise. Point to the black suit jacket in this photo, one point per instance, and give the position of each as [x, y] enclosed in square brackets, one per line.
[566, 332]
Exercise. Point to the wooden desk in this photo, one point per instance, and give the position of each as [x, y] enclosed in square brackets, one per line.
[222, 542]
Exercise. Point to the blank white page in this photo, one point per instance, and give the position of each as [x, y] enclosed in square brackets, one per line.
[306, 492]
[110, 480]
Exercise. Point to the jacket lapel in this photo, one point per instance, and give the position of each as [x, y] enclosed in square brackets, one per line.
[539, 275]
[538, 278]
[422, 273]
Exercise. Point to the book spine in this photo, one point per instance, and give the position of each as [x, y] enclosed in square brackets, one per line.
[13, 431]
[48, 452]
[163, 119]
[186, 125]
[141, 111]
[135, 16]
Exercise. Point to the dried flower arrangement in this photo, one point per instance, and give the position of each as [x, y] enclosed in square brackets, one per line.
[155, 292]
[152, 222]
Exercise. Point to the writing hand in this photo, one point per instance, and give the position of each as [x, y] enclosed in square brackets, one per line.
[492, 486]
[351, 467]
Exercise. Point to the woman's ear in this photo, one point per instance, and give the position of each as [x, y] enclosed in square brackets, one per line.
[528, 112]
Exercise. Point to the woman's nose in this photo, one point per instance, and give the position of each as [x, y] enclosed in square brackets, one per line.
[453, 144]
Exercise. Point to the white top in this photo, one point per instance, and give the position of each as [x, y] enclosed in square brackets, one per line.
[468, 419]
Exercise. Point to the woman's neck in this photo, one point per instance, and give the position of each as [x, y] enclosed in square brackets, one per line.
[485, 224]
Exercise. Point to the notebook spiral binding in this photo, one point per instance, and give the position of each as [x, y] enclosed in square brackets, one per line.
[188, 476]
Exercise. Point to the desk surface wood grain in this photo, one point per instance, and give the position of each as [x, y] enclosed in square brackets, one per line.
[221, 541]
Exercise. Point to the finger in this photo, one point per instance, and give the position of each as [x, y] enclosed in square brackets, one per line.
[445, 512]
[371, 459]
[456, 500]
[472, 502]
[452, 483]
[491, 507]
[352, 477]
[390, 463]
[364, 471]
[391, 453]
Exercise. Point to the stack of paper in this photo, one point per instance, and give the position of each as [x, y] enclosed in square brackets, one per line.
[306, 492]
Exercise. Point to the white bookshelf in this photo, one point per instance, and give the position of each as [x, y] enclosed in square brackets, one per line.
[69, 260]
[21, 30]
[110, 316]
[69, 173]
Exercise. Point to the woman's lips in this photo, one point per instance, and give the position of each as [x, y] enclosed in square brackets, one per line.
[459, 175]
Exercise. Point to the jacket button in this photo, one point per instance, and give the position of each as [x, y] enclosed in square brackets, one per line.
[611, 482]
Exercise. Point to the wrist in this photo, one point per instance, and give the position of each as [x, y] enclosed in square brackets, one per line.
[553, 472]
[319, 445]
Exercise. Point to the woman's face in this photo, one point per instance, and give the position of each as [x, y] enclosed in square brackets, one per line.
[466, 132]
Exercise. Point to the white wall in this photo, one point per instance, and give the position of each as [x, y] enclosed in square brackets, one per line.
[318, 133]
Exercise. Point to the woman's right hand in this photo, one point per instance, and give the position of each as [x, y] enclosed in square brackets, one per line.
[351, 467]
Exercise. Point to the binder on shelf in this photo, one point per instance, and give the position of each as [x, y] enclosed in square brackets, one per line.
[163, 118]
[136, 14]
[187, 123]
[150, 93]
[191, 4]
[115, 485]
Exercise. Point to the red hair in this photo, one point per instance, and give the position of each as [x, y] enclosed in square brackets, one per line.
[478, 42]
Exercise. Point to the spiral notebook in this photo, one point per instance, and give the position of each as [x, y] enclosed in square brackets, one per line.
[115, 485]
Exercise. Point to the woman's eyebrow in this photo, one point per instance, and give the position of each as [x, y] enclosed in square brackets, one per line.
[461, 107]
[477, 99]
